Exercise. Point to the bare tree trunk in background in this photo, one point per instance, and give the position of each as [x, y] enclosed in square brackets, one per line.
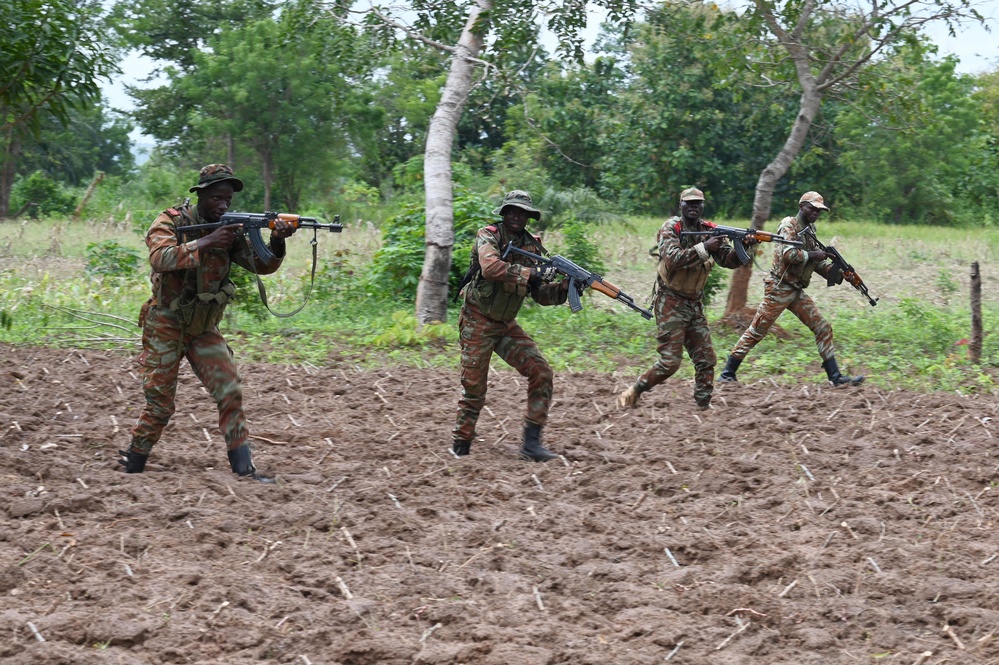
[8, 169]
[87, 194]
[975, 346]
[431, 293]
[736, 312]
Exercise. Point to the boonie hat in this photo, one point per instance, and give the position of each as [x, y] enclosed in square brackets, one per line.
[814, 198]
[214, 173]
[691, 194]
[519, 199]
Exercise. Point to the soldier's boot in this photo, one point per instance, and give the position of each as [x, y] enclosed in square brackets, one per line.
[133, 462]
[532, 448]
[629, 398]
[704, 403]
[731, 367]
[241, 463]
[461, 447]
[837, 379]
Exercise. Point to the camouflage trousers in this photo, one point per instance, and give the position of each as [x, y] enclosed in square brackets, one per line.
[777, 298]
[480, 338]
[164, 344]
[682, 325]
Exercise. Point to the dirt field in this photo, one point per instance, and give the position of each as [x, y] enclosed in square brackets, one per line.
[790, 524]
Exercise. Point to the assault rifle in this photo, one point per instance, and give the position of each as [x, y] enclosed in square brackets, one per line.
[840, 269]
[737, 236]
[254, 222]
[580, 278]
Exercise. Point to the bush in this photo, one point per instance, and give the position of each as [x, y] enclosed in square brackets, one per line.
[110, 259]
[41, 195]
[396, 267]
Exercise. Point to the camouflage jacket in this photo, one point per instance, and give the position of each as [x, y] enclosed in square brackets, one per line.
[502, 286]
[181, 267]
[684, 262]
[791, 266]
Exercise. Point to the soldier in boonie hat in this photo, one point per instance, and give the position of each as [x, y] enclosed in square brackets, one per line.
[691, 194]
[813, 198]
[519, 199]
[214, 173]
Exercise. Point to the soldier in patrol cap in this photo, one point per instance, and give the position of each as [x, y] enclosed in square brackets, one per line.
[684, 265]
[191, 288]
[784, 288]
[496, 290]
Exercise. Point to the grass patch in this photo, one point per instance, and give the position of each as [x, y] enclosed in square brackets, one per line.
[914, 339]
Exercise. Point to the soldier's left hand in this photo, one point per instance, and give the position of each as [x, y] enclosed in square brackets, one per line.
[283, 228]
[749, 241]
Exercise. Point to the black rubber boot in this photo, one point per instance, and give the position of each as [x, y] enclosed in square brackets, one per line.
[461, 447]
[731, 367]
[532, 448]
[134, 462]
[241, 464]
[837, 379]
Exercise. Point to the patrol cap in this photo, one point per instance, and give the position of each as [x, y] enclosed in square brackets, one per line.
[214, 173]
[691, 194]
[814, 198]
[519, 199]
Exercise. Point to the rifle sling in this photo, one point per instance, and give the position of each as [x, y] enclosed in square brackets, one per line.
[308, 294]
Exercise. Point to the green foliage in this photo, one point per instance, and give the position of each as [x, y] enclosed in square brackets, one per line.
[110, 259]
[39, 195]
[405, 330]
[247, 300]
[715, 283]
[579, 248]
[396, 267]
[579, 204]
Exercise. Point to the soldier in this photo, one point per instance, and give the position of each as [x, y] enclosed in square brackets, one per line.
[487, 323]
[784, 288]
[191, 288]
[684, 265]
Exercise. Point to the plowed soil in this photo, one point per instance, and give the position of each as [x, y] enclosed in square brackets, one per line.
[789, 524]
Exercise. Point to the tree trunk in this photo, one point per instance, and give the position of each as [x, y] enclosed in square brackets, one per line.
[737, 314]
[431, 293]
[975, 346]
[268, 178]
[87, 194]
[8, 169]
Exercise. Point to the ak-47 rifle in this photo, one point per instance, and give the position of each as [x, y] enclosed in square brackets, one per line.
[252, 224]
[737, 236]
[840, 269]
[580, 278]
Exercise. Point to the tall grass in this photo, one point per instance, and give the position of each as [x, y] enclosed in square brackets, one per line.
[914, 338]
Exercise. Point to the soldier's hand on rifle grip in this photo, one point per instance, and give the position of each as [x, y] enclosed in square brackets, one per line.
[750, 240]
[220, 238]
[853, 278]
[713, 243]
[541, 274]
[817, 255]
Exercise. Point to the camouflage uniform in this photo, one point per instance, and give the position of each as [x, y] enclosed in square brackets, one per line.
[684, 266]
[784, 288]
[488, 324]
[191, 288]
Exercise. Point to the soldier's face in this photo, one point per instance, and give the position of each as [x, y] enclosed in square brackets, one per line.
[214, 201]
[810, 213]
[691, 210]
[514, 218]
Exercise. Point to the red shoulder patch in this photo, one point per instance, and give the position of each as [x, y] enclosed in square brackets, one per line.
[493, 228]
[708, 224]
[677, 227]
[173, 212]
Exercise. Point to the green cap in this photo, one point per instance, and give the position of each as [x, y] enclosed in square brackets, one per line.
[814, 198]
[519, 199]
[214, 173]
[691, 194]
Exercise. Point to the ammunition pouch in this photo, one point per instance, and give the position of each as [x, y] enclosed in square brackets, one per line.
[500, 301]
[201, 312]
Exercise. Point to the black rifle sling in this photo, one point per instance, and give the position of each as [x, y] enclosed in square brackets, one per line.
[308, 294]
